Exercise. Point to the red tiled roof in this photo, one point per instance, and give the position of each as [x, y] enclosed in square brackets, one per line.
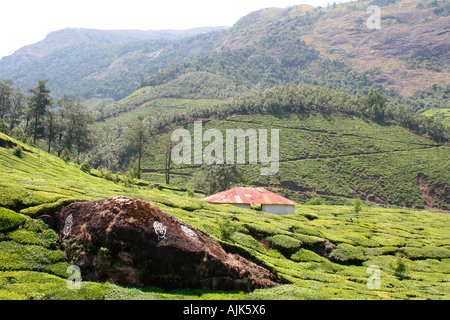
[249, 196]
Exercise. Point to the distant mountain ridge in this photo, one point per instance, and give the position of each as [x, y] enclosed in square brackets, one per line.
[98, 63]
[66, 37]
[331, 47]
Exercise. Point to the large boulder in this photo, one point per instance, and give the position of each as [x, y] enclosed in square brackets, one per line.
[132, 243]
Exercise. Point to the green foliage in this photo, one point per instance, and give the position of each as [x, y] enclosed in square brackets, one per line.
[10, 219]
[316, 201]
[31, 267]
[377, 103]
[190, 193]
[18, 151]
[216, 178]
[357, 207]
[399, 267]
[285, 244]
[65, 156]
[226, 228]
[334, 157]
[346, 253]
[40, 101]
[304, 255]
[128, 179]
[86, 167]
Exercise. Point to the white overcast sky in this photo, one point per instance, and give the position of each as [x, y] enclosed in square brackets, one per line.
[25, 22]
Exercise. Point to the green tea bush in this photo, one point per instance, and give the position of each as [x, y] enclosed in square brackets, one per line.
[18, 151]
[304, 255]
[347, 254]
[47, 208]
[35, 232]
[16, 256]
[308, 240]
[24, 237]
[428, 252]
[10, 219]
[369, 252]
[285, 244]
[86, 167]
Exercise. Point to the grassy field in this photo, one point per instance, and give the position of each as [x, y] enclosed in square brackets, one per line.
[410, 247]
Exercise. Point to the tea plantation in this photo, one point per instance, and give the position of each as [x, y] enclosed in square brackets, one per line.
[410, 248]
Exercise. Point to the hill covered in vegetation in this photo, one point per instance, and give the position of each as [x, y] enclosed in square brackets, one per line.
[330, 46]
[409, 247]
[331, 145]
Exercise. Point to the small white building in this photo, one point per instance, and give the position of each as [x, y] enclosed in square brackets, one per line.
[244, 197]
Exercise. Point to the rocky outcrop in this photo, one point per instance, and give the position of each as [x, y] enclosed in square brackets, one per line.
[132, 243]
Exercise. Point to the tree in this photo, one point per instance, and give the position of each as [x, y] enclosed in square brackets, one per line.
[357, 205]
[18, 108]
[138, 136]
[39, 102]
[52, 127]
[75, 130]
[168, 145]
[6, 92]
[66, 156]
[216, 178]
[376, 102]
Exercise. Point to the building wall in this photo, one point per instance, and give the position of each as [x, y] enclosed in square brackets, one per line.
[278, 209]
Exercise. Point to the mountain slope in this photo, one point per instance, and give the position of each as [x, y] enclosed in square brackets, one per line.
[101, 64]
[330, 144]
[34, 266]
[337, 158]
[329, 46]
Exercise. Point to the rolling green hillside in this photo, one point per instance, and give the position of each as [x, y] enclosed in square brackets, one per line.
[330, 145]
[410, 247]
[339, 157]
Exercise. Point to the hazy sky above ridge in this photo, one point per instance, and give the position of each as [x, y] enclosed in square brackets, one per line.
[25, 22]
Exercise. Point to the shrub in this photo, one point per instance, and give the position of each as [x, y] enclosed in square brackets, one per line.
[226, 229]
[18, 151]
[347, 254]
[47, 208]
[304, 255]
[316, 201]
[190, 193]
[86, 167]
[357, 207]
[65, 156]
[428, 252]
[128, 179]
[285, 244]
[10, 219]
[399, 267]
[108, 175]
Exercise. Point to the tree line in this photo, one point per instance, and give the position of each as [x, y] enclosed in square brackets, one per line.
[40, 121]
[297, 99]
